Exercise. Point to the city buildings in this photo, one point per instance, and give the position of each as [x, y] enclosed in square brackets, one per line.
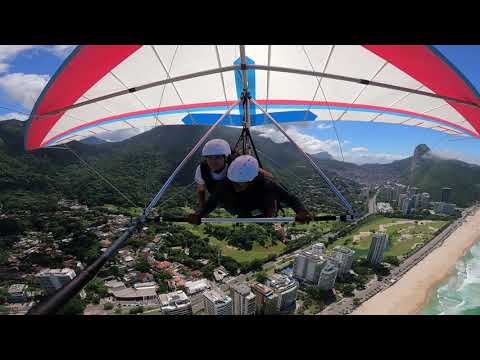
[141, 294]
[446, 193]
[384, 207]
[175, 303]
[309, 263]
[377, 248]
[50, 280]
[285, 289]
[444, 208]
[344, 256]
[194, 287]
[217, 303]
[243, 299]
[17, 293]
[265, 299]
[328, 275]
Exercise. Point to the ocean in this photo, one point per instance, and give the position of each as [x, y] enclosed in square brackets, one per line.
[459, 294]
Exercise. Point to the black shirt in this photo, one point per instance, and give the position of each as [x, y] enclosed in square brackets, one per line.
[262, 194]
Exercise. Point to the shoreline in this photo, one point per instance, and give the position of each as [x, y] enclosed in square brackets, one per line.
[411, 293]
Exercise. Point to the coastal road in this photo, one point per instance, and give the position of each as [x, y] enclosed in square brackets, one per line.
[372, 204]
[346, 306]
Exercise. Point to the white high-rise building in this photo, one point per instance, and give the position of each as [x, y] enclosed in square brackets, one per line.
[243, 299]
[217, 303]
[318, 248]
[53, 279]
[300, 266]
[377, 248]
[425, 203]
[309, 263]
[328, 275]
[344, 256]
[285, 289]
[175, 303]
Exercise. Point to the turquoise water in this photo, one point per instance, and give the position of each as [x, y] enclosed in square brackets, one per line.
[459, 294]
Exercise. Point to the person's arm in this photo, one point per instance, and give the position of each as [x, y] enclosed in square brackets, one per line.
[265, 173]
[302, 214]
[287, 198]
[204, 210]
[201, 195]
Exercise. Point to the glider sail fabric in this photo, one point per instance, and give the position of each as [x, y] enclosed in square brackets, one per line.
[195, 84]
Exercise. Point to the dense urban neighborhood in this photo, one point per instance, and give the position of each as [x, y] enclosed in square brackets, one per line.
[174, 268]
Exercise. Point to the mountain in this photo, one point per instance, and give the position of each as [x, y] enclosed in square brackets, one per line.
[323, 155]
[139, 166]
[92, 140]
[423, 170]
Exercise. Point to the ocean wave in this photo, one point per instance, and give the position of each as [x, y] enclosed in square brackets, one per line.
[460, 293]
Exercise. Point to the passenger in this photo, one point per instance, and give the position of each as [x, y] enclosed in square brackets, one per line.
[246, 190]
[216, 156]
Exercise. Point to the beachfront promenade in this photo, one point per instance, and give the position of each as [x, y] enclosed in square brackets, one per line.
[346, 306]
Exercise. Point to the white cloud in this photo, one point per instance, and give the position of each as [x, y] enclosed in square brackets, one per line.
[324, 126]
[455, 155]
[23, 88]
[13, 115]
[360, 149]
[119, 135]
[9, 52]
[371, 158]
[62, 51]
[4, 68]
[308, 143]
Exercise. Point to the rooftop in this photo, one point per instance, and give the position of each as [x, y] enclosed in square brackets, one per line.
[216, 296]
[17, 288]
[344, 250]
[57, 272]
[134, 293]
[173, 299]
[280, 282]
[262, 289]
[242, 288]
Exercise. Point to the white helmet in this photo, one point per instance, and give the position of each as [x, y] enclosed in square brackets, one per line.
[243, 169]
[216, 147]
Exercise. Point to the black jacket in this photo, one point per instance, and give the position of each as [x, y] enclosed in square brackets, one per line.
[263, 194]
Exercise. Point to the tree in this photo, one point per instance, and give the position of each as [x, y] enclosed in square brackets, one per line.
[136, 310]
[97, 287]
[261, 277]
[142, 265]
[161, 276]
[3, 295]
[108, 306]
[356, 302]
[348, 290]
[74, 307]
[10, 227]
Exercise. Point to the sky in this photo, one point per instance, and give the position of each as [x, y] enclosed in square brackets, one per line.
[26, 69]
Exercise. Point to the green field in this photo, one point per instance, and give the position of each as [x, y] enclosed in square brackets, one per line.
[242, 256]
[402, 236]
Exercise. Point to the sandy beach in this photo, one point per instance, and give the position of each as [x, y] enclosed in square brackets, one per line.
[410, 294]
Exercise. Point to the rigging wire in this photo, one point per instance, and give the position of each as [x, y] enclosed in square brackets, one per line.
[283, 168]
[326, 101]
[173, 85]
[101, 176]
[222, 78]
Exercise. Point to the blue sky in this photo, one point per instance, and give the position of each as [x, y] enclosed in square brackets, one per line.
[25, 70]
